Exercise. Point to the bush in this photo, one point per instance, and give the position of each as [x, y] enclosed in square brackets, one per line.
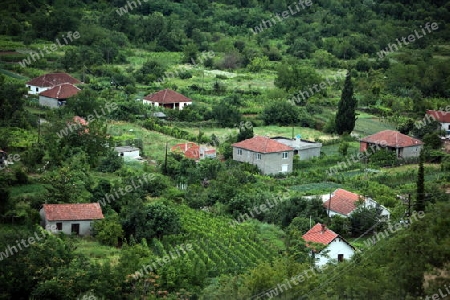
[21, 176]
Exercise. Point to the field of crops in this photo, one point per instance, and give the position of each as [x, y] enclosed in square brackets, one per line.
[218, 248]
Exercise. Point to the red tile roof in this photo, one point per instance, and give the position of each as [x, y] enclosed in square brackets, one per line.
[391, 138]
[342, 201]
[318, 235]
[80, 120]
[262, 144]
[52, 79]
[62, 91]
[167, 96]
[191, 150]
[440, 115]
[68, 212]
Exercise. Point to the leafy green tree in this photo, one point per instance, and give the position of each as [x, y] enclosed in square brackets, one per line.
[364, 218]
[432, 141]
[343, 148]
[226, 115]
[111, 163]
[151, 221]
[108, 231]
[346, 116]
[190, 52]
[245, 131]
[291, 77]
[280, 113]
[12, 102]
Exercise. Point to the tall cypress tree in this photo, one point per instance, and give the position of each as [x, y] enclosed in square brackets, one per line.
[346, 116]
[420, 200]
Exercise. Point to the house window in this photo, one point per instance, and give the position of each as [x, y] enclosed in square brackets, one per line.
[258, 156]
[239, 151]
[340, 257]
[75, 229]
[37, 89]
[448, 127]
[59, 226]
[285, 155]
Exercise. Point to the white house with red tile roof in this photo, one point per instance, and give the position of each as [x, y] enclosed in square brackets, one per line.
[270, 156]
[442, 117]
[336, 247]
[168, 99]
[403, 145]
[47, 81]
[343, 203]
[57, 95]
[71, 218]
[194, 151]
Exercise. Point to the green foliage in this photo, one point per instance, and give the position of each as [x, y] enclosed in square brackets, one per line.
[226, 114]
[149, 221]
[111, 163]
[383, 158]
[108, 231]
[245, 131]
[291, 77]
[345, 116]
[420, 203]
[364, 219]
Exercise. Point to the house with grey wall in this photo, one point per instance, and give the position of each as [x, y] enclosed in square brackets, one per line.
[403, 145]
[303, 148]
[71, 218]
[270, 156]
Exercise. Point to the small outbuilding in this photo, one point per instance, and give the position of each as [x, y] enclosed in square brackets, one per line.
[71, 218]
[127, 152]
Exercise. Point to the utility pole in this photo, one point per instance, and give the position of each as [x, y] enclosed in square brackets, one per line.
[165, 161]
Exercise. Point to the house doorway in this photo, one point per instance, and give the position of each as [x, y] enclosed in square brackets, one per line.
[76, 229]
[340, 257]
[284, 168]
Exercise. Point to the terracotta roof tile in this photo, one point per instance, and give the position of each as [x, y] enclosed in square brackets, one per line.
[439, 115]
[391, 138]
[53, 79]
[342, 201]
[318, 235]
[191, 150]
[262, 144]
[167, 96]
[62, 91]
[67, 212]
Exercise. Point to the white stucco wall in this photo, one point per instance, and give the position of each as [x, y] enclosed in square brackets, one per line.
[446, 128]
[34, 90]
[173, 106]
[331, 252]
[85, 225]
[130, 154]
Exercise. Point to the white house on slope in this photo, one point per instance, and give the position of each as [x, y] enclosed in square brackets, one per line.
[336, 249]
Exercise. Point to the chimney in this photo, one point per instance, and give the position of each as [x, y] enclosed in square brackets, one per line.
[324, 228]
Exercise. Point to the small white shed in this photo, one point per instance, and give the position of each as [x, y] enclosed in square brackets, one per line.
[127, 152]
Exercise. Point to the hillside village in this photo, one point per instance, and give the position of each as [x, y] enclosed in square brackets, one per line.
[173, 150]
